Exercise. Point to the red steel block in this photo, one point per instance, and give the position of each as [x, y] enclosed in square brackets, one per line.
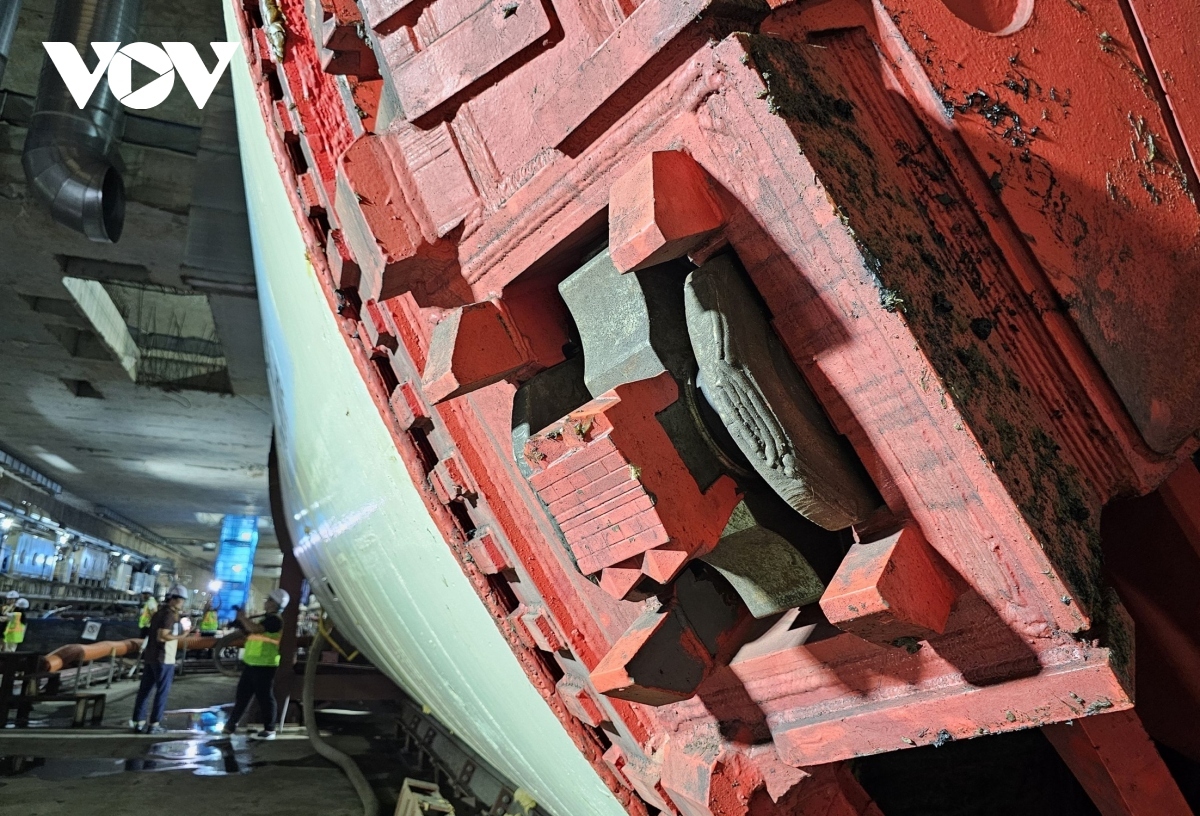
[341, 264]
[435, 163]
[488, 555]
[408, 407]
[518, 628]
[580, 700]
[466, 53]
[644, 772]
[472, 347]
[1169, 30]
[585, 85]
[456, 473]
[262, 62]
[660, 210]
[1134, 210]
[708, 782]
[377, 327]
[281, 118]
[702, 779]
[450, 480]
[1181, 495]
[542, 630]
[382, 227]
[1152, 555]
[614, 758]
[309, 195]
[379, 12]
[620, 579]
[413, 329]
[1113, 758]
[889, 589]
[659, 660]
[344, 49]
[613, 480]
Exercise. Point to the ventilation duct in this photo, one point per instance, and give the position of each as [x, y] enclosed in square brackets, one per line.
[10, 10]
[69, 153]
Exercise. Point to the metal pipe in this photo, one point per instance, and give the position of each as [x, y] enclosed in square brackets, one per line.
[70, 154]
[10, 10]
[74, 653]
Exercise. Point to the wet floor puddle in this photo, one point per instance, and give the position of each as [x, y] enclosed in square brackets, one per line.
[200, 757]
[195, 748]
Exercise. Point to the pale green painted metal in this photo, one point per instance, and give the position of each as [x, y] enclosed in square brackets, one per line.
[362, 534]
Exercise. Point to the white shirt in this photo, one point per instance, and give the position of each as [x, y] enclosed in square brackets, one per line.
[170, 647]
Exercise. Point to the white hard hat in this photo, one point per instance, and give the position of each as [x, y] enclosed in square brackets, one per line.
[22, 603]
[280, 596]
[13, 595]
[178, 591]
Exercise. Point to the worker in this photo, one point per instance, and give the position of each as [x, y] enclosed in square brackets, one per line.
[10, 603]
[167, 628]
[260, 659]
[149, 607]
[14, 629]
[209, 623]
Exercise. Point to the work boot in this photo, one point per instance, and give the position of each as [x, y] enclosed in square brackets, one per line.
[263, 735]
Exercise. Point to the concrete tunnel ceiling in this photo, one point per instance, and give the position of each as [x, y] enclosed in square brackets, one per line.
[133, 373]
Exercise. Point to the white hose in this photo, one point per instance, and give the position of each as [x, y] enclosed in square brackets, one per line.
[370, 802]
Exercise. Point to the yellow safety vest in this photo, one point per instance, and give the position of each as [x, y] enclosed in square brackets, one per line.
[148, 610]
[209, 622]
[14, 632]
[262, 649]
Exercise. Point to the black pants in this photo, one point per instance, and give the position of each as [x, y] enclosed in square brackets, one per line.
[255, 682]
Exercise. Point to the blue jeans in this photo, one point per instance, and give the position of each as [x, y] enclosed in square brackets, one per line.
[156, 677]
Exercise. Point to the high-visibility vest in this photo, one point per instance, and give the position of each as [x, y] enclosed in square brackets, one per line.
[148, 610]
[262, 649]
[209, 622]
[14, 632]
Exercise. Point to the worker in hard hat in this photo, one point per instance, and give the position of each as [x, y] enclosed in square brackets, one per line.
[260, 659]
[167, 628]
[14, 628]
[208, 622]
[10, 603]
[149, 607]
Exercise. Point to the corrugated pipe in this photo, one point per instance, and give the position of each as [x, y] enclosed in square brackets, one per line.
[10, 10]
[370, 802]
[70, 153]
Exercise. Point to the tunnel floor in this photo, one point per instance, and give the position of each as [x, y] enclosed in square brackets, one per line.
[52, 770]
